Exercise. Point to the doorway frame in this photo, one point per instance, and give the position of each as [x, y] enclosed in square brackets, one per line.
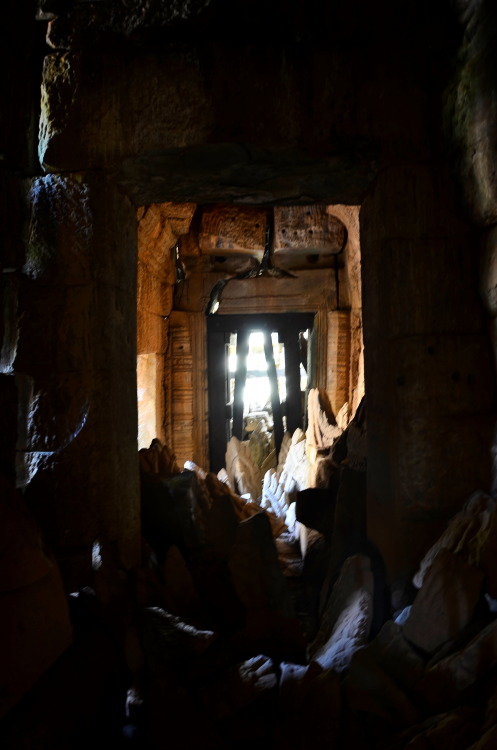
[219, 327]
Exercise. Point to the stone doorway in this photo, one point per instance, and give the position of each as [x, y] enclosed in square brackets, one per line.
[229, 337]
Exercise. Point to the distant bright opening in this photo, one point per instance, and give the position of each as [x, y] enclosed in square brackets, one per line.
[257, 393]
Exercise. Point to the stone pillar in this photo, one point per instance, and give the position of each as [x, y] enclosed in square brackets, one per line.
[76, 370]
[430, 381]
[159, 228]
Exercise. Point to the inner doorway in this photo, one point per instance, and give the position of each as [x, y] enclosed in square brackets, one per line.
[253, 360]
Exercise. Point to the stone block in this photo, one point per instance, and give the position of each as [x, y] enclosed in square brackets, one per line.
[23, 560]
[167, 640]
[316, 509]
[34, 631]
[79, 699]
[311, 707]
[255, 570]
[152, 333]
[228, 229]
[458, 375]
[308, 230]
[181, 597]
[461, 534]
[370, 691]
[431, 475]
[454, 730]
[346, 621]
[61, 226]
[397, 657]
[470, 106]
[445, 604]
[239, 687]
[75, 92]
[445, 682]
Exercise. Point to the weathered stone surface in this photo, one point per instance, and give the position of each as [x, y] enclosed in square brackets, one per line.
[420, 463]
[443, 683]
[86, 23]
[239, 687]
[244, 474]
[347, 618]
[445, 604]
[220, 521]
[460, 534]
[23, 560]
[349, 535]
[34, 631]
[322, 429]
[453, 730]
[166, 639]
[73, 93]
[174, 717]
[181, 598]
[470, 104]
[254, 567]
[226, 229]
[80, 274]
[311, 707]
[167, 507]
[396, 657]
[74, 701]
[371, 691]
[228, 172]
[308, 230]
[315, 508]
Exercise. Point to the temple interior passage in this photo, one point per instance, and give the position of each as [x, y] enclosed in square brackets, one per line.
[248, 386]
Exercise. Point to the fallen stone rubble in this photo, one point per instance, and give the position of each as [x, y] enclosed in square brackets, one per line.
[259, 646]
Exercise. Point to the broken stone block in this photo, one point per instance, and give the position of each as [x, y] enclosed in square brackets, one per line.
[239, 687]
[316, 508]
[227, 229]
[270, 623]
[244, 474]
[371, 691]
[347, 618]
[168, 512]
[455, 730]
[158, 459]
[35, 627]
[349, 531]
[181, 597]
[22, 559]
[220, 521]
[460, 533]
[445, 604]
[255, 570]
[174, 718]
[295, 473]
[396, 656]
[310, 707]
[443, 684]
[167, 639]
[322, 430]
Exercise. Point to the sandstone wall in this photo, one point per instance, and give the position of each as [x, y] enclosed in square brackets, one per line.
[430, 378]
[75, 365]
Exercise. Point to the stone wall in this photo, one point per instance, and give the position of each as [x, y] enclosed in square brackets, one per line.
[332, 105]
[430, 378]
[76, 346]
